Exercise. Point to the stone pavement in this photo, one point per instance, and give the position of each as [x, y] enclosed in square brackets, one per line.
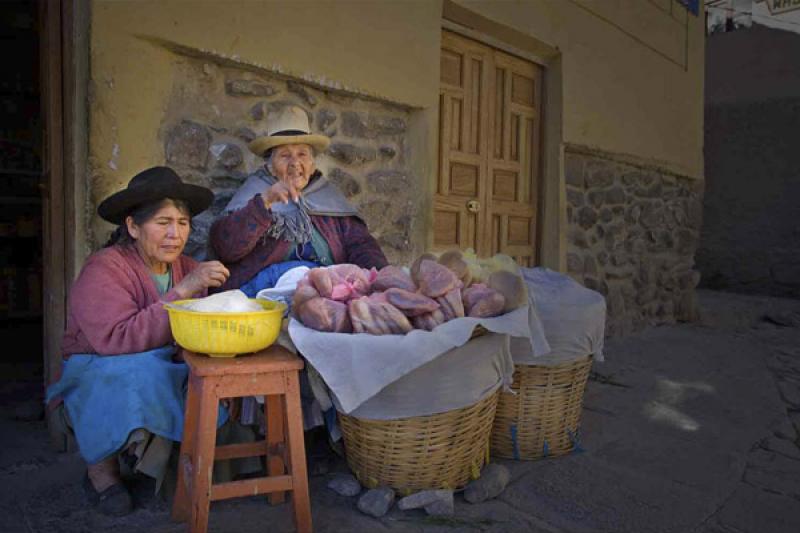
[687, 428]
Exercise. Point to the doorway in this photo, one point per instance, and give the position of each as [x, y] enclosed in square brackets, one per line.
[21, 210]
[487, 192]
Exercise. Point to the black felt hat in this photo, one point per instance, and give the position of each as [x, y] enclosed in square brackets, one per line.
[150, 186]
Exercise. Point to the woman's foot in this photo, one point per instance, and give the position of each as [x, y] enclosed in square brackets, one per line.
[104, 488]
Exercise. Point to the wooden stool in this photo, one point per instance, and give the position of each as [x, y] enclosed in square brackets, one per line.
[272, 372]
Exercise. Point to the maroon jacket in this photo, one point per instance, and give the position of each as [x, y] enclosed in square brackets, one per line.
[114, 307]
[238, 240]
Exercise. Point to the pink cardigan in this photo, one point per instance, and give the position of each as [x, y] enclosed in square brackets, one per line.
[114, 306]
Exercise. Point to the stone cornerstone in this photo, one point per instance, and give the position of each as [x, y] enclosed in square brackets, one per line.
[632, 234]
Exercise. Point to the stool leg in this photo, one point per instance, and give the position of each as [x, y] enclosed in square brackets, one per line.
[180, 502]
[203, 458]
[297, 454]
[273, 411]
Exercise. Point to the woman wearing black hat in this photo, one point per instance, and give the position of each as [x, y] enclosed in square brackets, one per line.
[116, 308]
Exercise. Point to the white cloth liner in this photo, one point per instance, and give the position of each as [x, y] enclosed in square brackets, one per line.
[356, 367]
[284, 288]
[572, 318]
[458, 378]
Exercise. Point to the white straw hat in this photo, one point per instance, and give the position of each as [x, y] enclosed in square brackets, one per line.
[289, 125]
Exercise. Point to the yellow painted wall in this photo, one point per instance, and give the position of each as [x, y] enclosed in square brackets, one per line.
[632, 73]
[381, 48]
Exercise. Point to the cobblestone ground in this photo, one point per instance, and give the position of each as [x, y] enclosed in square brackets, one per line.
[686, 428]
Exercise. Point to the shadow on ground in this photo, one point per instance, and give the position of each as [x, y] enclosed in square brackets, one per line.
[686, 428]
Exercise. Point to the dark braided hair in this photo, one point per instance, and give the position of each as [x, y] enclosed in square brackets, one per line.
[140, 215]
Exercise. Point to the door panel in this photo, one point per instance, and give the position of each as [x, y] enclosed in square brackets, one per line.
[462, 185]
[486, 196]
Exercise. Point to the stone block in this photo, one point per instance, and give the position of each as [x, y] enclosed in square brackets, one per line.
[358, 125]
[351, 154]
[574, 263]
[187, 145]
[345, 485]
[654, 191]
[587, 217]
[590, 266]
[575, 197]
[633, 213]
[387, 152]
[384, 125]
[492, 482]
[652, 216]
[374, 211]
[355, 125]
[258, 111]
[606, 215]
[245, 134]
[388, 181]
[228, 155]
[424, 498]
[686, 241]
[325, 119]
[596, 198]
[600, 177]
[300, 90]
[578, 238]
[397, 241]
[346, 182]
[376, 502]
[615, 196]
[573, 170]
[249, 88]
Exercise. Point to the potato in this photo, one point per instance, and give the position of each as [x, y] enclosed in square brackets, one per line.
[455, 261]
[417, 262]
[511, 286]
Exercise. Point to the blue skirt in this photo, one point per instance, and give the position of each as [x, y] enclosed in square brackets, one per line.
[107, 397]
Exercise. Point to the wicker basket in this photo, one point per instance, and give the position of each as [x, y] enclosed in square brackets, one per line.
[444, 450]
[542, 419]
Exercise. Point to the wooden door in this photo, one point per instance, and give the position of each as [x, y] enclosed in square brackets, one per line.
[490, 112]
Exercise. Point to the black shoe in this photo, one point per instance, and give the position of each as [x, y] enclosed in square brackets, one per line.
[114, 501]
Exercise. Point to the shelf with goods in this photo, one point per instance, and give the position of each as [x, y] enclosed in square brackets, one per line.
[20, 260]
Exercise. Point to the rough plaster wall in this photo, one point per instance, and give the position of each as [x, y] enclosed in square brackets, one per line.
[215, 110]
[632, 235]
[751, 234]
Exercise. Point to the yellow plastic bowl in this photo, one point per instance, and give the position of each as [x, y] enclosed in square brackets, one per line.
[225, 334]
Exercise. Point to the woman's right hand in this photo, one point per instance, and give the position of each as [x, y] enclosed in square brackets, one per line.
[280, 192]
[206, 275]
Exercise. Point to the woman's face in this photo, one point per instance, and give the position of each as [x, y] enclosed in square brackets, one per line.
[161, 239]
[293, 164]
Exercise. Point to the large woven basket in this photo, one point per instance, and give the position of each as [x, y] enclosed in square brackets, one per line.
[440, 451]
[543, 418]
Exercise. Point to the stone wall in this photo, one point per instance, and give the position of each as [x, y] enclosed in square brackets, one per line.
[215, 110]
[632, 235]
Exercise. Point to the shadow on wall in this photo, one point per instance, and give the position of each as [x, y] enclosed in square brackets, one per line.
[751, 235]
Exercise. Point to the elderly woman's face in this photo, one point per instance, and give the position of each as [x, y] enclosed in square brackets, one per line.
[293, 164]
[161, 239]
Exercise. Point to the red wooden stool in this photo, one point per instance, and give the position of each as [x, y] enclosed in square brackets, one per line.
[272, 372]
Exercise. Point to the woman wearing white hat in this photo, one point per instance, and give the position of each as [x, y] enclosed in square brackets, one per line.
[288, 214]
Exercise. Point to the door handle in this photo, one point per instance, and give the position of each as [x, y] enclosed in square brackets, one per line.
[473, 206]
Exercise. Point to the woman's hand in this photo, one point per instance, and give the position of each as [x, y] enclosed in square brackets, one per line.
[207, 274]
[280, 192]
